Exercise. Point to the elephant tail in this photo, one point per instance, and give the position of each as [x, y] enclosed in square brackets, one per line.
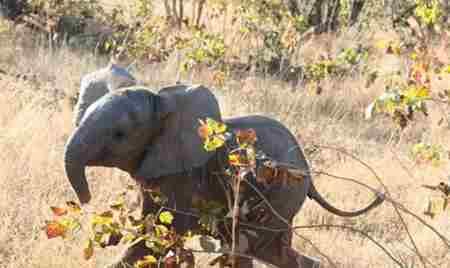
[314, 194]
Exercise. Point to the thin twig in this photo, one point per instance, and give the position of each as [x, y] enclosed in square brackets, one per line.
[445, 240]
[378, 244]
[235, 228]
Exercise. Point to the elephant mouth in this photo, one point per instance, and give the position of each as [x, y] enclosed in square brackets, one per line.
[101, 159]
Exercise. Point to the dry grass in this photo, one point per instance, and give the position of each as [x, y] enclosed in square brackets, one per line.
[35, 119]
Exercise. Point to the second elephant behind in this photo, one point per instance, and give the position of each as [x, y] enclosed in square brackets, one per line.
[96, 84]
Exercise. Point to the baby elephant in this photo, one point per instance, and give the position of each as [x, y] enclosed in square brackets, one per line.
[153, 137]
[96, 84]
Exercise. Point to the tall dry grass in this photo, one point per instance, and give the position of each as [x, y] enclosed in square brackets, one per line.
[35, 121]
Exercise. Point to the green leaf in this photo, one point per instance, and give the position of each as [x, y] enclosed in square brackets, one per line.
[213, 143]
[216, 127]
[146, 262]
[103, 219]
[127, 238]
[118, 204]
[166, 217]
[161, 230]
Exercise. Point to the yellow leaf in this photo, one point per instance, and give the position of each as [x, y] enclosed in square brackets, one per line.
[213, 143]
[54, 229]
[146, 262]
[58, 211]
[416, 93]
[127, 238]
[161, 230]
[150, 258]
[70, 224]
[423, 92]
[390, 106]
[219, 77]
[217, 127]
[446, 69]
[73, 207]
[435, 206]
[166, 217]
[88, 251]
[118, 204]
[102, 219]
[234, 159]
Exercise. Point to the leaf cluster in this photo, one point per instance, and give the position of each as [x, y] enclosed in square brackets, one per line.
[404, 97]
[425, 153]
[118, 226]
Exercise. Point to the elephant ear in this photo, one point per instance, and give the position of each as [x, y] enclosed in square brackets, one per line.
[179, 147]
[96, 84]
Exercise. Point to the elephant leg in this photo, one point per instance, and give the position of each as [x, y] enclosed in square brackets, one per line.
[295, 259]
[281, 254]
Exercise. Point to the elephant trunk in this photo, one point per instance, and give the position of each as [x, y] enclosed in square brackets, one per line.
[75, 168]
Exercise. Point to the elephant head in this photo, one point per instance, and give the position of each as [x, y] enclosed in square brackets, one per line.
[145, 134]
[96, 84]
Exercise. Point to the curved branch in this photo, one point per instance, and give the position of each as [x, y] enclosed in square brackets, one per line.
[445, 240]
[386, 189]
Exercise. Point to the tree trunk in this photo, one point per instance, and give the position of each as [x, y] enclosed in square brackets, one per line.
[445, 11]
[315, 15]
[293, 7]
[167, 7]
[355, 10]
[180, 12]
[324, 15]
[332, 16]
[201, 3]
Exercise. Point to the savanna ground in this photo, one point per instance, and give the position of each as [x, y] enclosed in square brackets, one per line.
[36, 119]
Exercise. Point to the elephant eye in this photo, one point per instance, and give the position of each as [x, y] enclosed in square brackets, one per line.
[119, 135]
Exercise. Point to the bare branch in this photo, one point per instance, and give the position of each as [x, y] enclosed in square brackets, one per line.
[386, 189]
[174, 9]
[235, 228]
[181, 11]
[445, 240]
[167, 8]
[201, 3]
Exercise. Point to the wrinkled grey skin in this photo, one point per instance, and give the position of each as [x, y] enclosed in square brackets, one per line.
[154, 138]
[96, 84]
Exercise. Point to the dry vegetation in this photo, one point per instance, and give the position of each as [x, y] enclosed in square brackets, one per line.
[35, 119]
